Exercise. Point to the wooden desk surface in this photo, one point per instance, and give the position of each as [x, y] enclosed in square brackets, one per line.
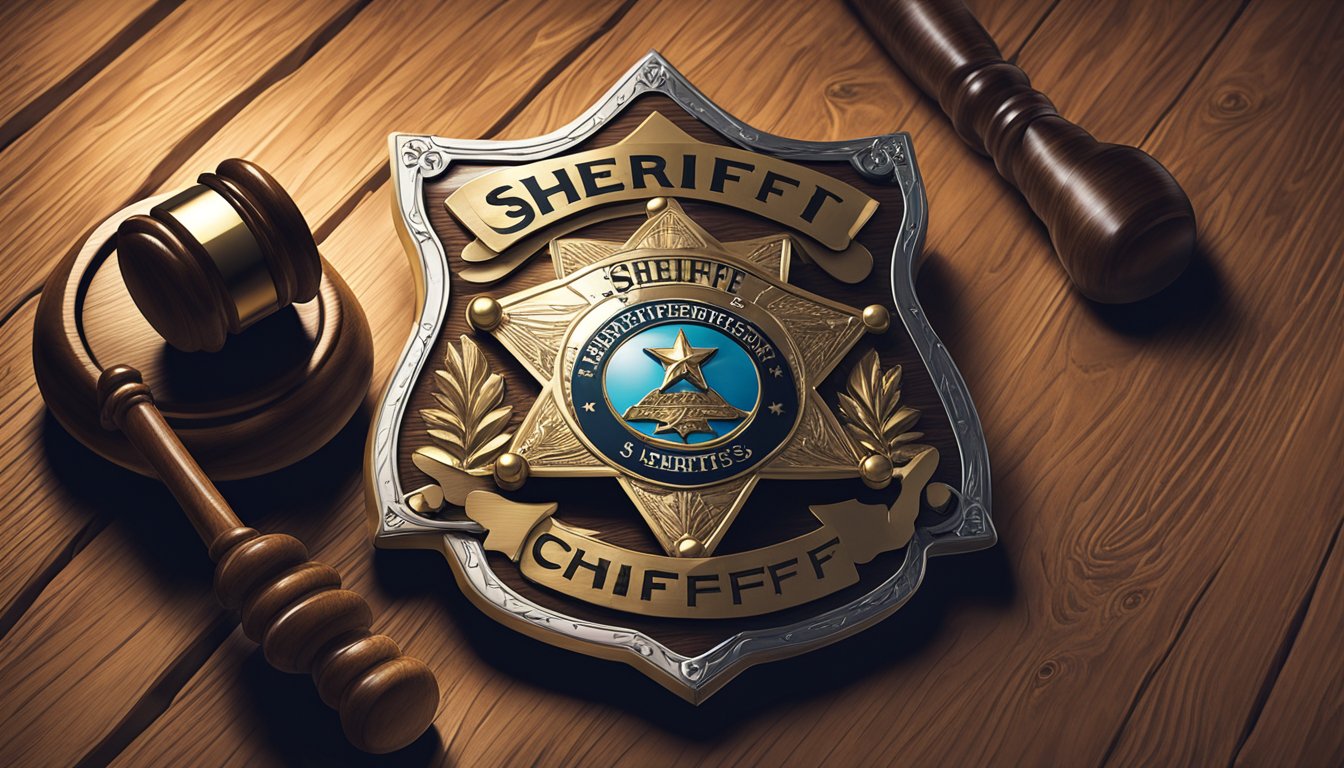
[1167, 476]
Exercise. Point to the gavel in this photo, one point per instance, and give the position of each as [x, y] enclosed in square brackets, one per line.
[202, 266]
[1121, 225]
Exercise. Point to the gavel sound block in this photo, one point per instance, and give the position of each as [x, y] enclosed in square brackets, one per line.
[1121, 225]
[220, 266]
[263, 401]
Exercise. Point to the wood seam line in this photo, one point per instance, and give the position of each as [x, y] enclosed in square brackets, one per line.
[382, 173]
[21, 302]
[1151, 674]
[30, 591]
[159, 696]
[561, 64]
[1280, 659]
[1194, 75]
[1012, 58]
[193, 141]
[44, 103]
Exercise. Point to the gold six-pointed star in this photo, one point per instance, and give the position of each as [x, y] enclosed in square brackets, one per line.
[540, 327]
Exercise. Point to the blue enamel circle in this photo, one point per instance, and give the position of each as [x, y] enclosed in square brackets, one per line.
[683, 393]
[632, 373]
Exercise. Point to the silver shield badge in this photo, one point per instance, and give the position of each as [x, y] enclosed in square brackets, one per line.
[671, 399]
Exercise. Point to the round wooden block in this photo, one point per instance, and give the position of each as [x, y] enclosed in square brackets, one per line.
[270, 397]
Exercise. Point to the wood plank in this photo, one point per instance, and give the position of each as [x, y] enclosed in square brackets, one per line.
[155, 103]
[546, 40]
[50, 49]
[1281, 456]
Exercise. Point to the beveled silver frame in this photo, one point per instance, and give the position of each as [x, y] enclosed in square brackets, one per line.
[885, 159]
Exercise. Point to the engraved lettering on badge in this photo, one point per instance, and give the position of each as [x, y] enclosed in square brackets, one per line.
[658, 158]
[639, 273]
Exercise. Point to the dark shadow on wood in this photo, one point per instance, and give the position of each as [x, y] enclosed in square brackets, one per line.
[1196, 301]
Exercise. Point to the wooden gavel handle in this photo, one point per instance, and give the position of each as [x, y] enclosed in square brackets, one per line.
[293, 606]
[1121, 225]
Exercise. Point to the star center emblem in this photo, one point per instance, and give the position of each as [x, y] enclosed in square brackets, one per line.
[682, 361]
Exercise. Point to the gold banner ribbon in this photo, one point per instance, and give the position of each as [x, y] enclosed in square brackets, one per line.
[576, 563]
[658, 159]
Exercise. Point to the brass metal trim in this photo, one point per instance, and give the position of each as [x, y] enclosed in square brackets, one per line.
[232, 248]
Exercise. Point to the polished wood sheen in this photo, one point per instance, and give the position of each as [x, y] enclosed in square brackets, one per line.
[291, 605]
[1122, 226]
[177, 286]
[1168, 587]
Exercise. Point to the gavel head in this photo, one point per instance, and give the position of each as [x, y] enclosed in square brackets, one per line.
[217, 257]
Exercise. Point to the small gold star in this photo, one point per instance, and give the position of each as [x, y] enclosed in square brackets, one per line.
[682, 361]
[777, 371]
[777, 409]
[588, 407]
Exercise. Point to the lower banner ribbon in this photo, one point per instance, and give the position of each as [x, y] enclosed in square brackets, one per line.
[576, 563]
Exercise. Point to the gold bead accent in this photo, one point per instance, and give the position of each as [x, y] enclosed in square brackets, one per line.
[484, 313]
[876, 471]
[511, 471]
[655, 205]
[939, 495]
[876, 318]
[689, 547]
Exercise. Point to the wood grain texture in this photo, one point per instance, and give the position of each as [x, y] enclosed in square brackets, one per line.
[50, 49]
[1285, 359]
[1299, 724]
[402, 65]
[1165, 478]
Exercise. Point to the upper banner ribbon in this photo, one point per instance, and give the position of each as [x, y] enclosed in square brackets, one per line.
[659, 160]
